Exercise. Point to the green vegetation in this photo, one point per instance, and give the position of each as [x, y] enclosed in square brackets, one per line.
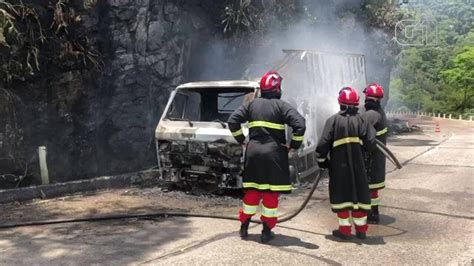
[35, 37]
[437, 76]
[248, 21]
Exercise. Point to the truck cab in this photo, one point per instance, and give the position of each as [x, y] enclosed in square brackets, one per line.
[193, 143]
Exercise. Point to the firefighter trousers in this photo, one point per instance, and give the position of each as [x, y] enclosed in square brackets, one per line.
[345, 220]
[251, 201]
[374, 198]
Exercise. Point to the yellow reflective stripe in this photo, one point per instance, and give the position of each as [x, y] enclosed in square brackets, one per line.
[297, 138]
[375, 201]
[237, 133]
[344, 222]
[250, 209]
[362, 206]
[266, 124]
[346, 141]
[270, 212]
[381, 132]
[342, 205]
[355, 206]
[360, 221]
[255, 185]
[281, 187]
[267, 186]
[378, 185]
[321, 160]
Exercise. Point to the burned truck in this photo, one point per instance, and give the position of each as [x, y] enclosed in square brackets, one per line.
[196, 149]
[194, 145]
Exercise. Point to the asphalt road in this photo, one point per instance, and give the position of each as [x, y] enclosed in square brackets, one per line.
[427, 218]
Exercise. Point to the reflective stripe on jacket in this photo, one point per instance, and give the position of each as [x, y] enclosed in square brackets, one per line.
[266, 161]
[344, 138]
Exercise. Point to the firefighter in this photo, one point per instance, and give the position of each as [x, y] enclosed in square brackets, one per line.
[340, 148]
[375, 115]
[266, 169]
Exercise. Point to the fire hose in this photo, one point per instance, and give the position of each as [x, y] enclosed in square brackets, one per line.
[166, 214]
[390, 156]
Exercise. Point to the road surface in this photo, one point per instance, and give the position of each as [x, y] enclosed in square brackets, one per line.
[427, 218]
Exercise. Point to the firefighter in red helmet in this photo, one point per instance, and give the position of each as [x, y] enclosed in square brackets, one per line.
[266, 169]
[340, 149]
[375, 160]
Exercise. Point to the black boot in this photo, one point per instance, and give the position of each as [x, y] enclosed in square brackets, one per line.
[373, 217]
[339, 234]
[267, 233]
[244, 227]
[361, 235]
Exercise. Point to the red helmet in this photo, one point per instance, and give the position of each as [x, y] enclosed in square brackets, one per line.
[271, 82]
[348, 96]
[374, 90]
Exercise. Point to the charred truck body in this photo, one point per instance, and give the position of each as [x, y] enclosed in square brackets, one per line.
[195, 147]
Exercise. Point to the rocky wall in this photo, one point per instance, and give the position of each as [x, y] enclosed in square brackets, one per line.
[102, 121]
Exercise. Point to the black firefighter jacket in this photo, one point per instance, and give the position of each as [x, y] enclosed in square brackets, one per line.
[376, 159]
[266, 161]
[345, 137]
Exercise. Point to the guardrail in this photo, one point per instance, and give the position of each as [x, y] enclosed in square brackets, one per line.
[434, 115]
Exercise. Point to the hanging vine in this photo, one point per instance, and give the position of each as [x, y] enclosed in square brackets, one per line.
[33, 36]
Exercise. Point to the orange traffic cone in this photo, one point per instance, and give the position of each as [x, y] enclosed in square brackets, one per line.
[437, 128]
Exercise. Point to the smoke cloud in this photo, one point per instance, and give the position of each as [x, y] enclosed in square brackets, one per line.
[324, 26]
[328, 28]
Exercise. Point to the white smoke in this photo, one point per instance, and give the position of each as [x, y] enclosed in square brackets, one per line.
[333, 31]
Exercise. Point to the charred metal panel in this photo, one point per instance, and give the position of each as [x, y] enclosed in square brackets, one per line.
[197, 163]
[201, 153]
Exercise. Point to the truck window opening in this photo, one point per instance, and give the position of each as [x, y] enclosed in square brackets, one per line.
[206, 105]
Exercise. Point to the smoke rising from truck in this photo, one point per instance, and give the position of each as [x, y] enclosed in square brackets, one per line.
[313, 80]
[330, 30]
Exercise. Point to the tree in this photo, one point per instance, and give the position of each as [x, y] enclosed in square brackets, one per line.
[438, 78]
[461, 77]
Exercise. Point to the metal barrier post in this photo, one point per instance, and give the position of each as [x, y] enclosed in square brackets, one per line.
[43, 165]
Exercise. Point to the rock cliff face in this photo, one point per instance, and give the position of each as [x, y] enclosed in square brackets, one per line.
[102, 122]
